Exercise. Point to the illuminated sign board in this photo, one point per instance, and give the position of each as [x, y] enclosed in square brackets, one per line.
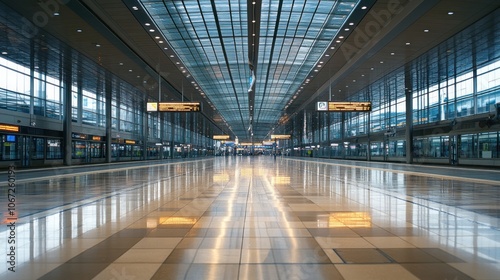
[173, 107]
[6, 127]
[277, 136]
[221, 137]
[344, 106]
[246, 144]
[152, 107]
[130, 142]
[79, 136]
[179, 107]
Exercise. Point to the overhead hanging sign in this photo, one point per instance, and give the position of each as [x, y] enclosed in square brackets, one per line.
[221, 137]
[173, 107]
[278, 136]
[246, 144]
[333, 106]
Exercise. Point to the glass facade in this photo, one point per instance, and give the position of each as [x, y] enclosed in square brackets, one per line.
[454, 90]
[36, 75]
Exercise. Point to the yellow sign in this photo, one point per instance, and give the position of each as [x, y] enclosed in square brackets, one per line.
[246, 144]
[344, 106]
[277, 136]
[221, 137]
[6, 127]
[179, 107]
[130, 142]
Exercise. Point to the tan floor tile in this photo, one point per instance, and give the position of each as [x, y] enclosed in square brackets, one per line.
[389, 242]
[157, 242]
[144, 256]
[128, 271]
[435, 271]
[374, 272]
[334, 258]
[362, 256]
[479, 270]
[217, 256]
[345, 242]
[257, 256]
[257, 243]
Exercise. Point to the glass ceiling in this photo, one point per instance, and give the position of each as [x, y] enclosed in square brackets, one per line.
[211, 38]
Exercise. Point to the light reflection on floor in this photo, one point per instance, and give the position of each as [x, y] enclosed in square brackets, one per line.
[257, 218]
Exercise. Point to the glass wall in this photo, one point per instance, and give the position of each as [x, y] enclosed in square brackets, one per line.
[33, 85]
[480, 145]
[455, 93]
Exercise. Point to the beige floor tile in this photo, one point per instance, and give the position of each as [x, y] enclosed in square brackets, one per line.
[344, 242]
[334, 258]
[374, 272]
[157, 242]
[144, 256]
[389, 242]
[217, 256]
[479, 270]
[128, 271]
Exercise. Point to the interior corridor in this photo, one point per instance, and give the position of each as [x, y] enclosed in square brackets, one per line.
[254, 218]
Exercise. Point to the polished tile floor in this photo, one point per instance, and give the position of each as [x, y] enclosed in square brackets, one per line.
[254, 218]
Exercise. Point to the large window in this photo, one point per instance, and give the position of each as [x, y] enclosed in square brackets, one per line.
[10, 147]
[38, 150]
[54, 149]
[482, 145]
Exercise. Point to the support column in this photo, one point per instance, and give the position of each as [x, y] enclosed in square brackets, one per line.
[67, 95]
[109, 97]
[342, 135]
[172, 131]
[409, 115]
[369, 142]
[145, 130]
